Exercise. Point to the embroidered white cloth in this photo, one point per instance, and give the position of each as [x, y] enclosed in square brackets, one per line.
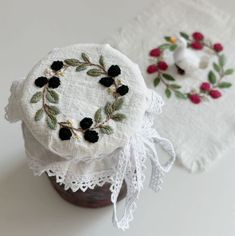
[200, 133]
[87, 119]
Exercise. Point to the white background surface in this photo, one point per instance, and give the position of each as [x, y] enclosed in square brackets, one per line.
[188, 205]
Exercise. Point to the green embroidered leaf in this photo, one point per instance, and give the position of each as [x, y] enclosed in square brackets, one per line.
[85, 57]
[156, 81]
[175, 86]
[224, 85]
[167, 38]
[36, 97]
[117, 104]
[94, 72]
[98, 116]
[106, 129]
[72, 62]
[179, 94]
[173, 47]
[118, 117]
[216, 67]
[212, 77]
[52, 96]
[51, 121]
[108, 108]
[53, 110]
[39, 114]
[81, 67]
[168, 77]
[168, 93]
[184, 35]
[222, 60]
[164, 46]
[101, 61]
[229, 71]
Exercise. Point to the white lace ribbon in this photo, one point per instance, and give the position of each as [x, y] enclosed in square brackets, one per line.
[131, 165]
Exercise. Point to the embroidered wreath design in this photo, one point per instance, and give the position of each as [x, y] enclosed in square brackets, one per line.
[89, 127]
[215, 80]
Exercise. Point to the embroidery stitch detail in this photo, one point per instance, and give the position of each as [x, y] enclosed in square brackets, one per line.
[210, 88]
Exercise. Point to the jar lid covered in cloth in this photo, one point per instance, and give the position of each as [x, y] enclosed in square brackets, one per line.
[87, 119]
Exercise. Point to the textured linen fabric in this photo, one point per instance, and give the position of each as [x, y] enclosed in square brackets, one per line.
[200, 133]
[81, 96]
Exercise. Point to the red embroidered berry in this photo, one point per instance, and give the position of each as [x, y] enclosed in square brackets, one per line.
[156, 52]
[195, 98]
[198, 36]
[152, 69]
[162, 65]
[218, 47]
[197, 45]
[205, 86]
[215, 93]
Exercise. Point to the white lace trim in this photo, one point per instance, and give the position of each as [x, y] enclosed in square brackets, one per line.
[130, 166]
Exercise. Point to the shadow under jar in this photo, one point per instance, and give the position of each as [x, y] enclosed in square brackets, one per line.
[91, 198]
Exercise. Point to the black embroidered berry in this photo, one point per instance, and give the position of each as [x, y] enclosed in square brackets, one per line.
[54, 82]
[91, 136]
[122, 90]
[57, 65]
[114, 70]
[65, 133]
[41, 81]
[106, 81]
[86, 123]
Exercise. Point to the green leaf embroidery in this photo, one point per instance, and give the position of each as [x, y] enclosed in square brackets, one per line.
[156, 81]
[216, 67]
[173, 47]
[53, 110]
[101, 61]
[184, 35]
[229, 71]
[168, 93]
[106, 129]
[39, 114]
[85, 57]
[167, 38]
[212, 77]
[52, 96]
[224, 85]
[179, 94]
[118, 117]
[98, 116]
[36, 97]
[108, 108]
[168, 77]
[51, 121]
[117, 104]
[94, 72]
[72, 62]
[164, 46]
[222, 60]
[81, 67]
[175, 86]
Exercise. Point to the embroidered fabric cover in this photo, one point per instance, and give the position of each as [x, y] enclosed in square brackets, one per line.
[87, 119]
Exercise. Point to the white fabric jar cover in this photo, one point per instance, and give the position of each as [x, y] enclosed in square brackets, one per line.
[87, 119]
